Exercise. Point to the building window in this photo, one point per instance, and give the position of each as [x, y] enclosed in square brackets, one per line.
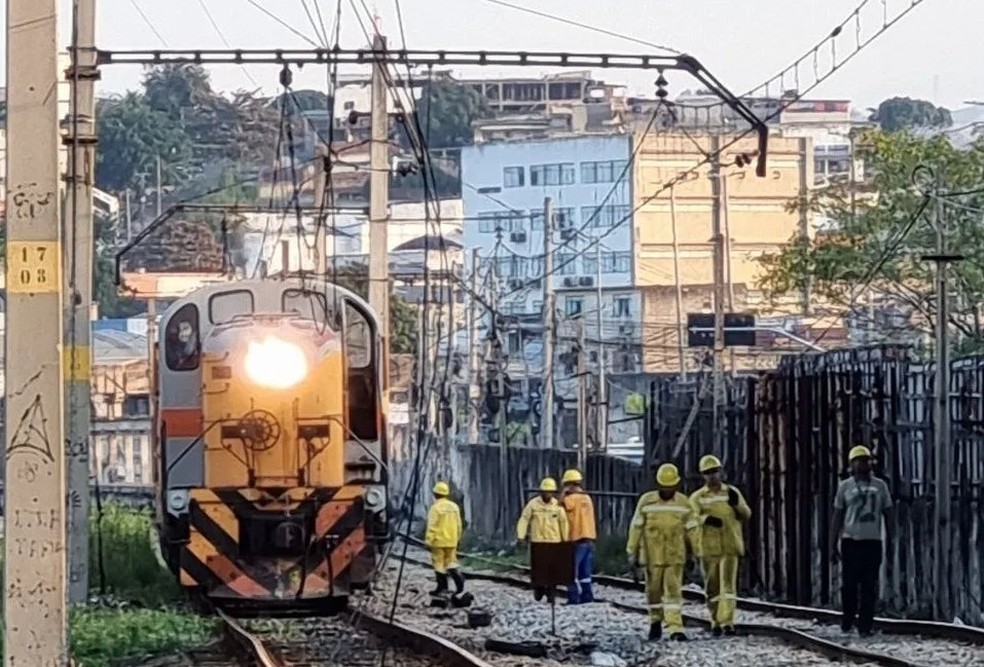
[552, 174]
[573, 307]
[606, 216]
[622, 306]
[513, 177]
[589, 265]
[496, 221]
[136, 406]
[564, 218]
[616, 262]
[565, 264]
[607, 171]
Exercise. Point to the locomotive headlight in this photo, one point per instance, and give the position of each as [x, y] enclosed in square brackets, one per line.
[275, 363]
[375, 499]
[177, 500]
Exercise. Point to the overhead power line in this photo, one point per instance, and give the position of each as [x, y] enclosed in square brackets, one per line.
[585, 26]
[150, 24]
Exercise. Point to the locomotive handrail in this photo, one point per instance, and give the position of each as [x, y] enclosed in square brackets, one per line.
[170, 466]
[361, 443]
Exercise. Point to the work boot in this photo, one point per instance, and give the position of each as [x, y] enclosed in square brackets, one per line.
[459, 581]
[655, 631]
[442, 584]
[678, 637]
[538, 593]
[730, 631]
[716, 631]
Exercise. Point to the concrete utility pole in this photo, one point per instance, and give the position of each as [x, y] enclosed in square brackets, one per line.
[379, 201]
[941, 413]
[804, 216]
[35, 609]
[601, 412]
[78, 292]
[681, 328]
[474, 393]
[550, 325]
[719, 295]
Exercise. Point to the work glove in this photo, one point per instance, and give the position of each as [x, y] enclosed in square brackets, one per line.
[714, 522]
[732, 496]
[633, 561]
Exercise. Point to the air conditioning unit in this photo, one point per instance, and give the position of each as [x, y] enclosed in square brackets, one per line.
[515, 283]
[535, 284]
[518, 237]
[570, 282]
[566, 234]
[586, 281]
[626, 329]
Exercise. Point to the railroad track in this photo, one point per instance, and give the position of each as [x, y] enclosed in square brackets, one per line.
[910, 643]
[359, 639]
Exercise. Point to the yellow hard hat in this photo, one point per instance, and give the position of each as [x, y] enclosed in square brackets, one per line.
[548, 484]
[667, 475]
[859, 452]
[709, 462]
[442, 489]
[572, 477]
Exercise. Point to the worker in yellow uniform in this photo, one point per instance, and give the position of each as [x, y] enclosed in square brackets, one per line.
[543, 521]
[663, 528]
[442, 537]
[581, 517]
[721, 511]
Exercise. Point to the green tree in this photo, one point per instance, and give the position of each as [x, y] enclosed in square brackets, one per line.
[867, 237]
[403, 316]
[131, 136]
[175, 88]
[453, 108]
[900, 113]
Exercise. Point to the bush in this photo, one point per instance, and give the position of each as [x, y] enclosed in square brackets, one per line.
[122, 561]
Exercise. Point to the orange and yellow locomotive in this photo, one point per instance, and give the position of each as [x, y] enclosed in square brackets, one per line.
[270, 443]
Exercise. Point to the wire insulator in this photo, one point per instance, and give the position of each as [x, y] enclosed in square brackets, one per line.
[286, 77]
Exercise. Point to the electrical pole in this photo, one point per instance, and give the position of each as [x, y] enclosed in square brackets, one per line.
[160, 187]
[78, 292]
[601, 412]
[941, 412]
[129, 217]
[321, 222]
[719, 299]
[681, 329]
[35, 609]
[550, 325]
[582, 395]
[474, 393]
[379, 203]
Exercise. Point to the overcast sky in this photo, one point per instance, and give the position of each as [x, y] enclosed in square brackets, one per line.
[933, 53]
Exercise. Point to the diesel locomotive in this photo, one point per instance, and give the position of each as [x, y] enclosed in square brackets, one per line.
[270, 444]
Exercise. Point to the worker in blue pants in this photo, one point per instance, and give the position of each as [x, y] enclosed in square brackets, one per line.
[581, 519]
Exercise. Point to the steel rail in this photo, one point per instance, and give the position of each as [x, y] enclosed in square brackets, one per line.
[798, 638]
[251, 648]
[246, 643]
[895, 626]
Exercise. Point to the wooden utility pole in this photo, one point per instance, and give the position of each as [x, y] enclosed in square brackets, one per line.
[941, 413]
[474, 393]
[601, 412]
[550, 325]
[81, 141]
[582, 398]
[321, 221]
[719, 295]
[681, 329]
[35, 609]
[379, 202]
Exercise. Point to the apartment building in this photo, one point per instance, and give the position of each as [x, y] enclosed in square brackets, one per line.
[673, 258]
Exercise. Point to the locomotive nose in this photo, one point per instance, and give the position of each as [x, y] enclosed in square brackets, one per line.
[288, 536]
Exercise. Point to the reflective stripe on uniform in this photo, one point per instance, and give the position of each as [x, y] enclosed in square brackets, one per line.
[713, 500]
[672, 607]
[680, 509]
[656, 606]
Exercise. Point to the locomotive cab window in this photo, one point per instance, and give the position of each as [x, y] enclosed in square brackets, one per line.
[360, 338]
[224, 306]
[307, 304]
[182, 343]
